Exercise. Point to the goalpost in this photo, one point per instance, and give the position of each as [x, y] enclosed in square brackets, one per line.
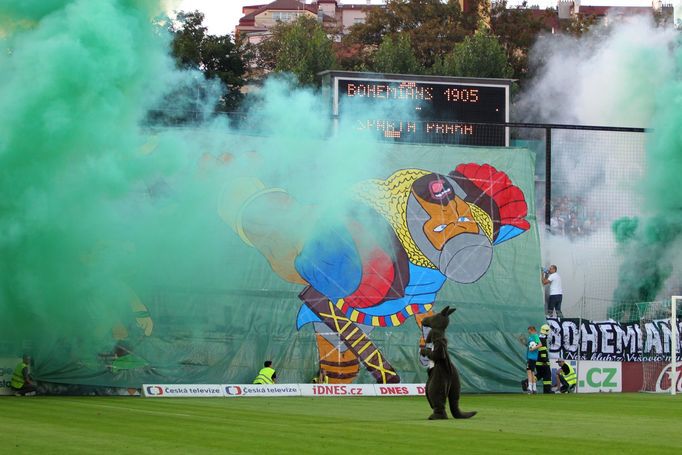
[640, 339]
[674, 336]
[661, 375]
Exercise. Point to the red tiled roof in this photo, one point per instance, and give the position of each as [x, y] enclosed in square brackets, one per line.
[604, 10]
[360, 6]
[252, 7]
[286, 5]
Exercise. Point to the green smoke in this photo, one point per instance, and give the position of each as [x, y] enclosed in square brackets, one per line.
[647, 260]
[99, 212]
[648, 243]
[76, 78]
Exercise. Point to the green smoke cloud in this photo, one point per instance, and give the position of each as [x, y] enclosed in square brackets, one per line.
[76, 79]
[648, 243]
[99, 212]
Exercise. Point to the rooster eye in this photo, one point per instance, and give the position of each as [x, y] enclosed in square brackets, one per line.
[440, 228]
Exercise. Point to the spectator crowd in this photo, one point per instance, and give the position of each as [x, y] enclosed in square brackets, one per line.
[572, 218]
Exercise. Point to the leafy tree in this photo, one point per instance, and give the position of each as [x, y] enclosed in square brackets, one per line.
[434, 26]
[480, 55]
[301, 47]
[355, 56]
[218, 57]
[396, 56]
[517, 29]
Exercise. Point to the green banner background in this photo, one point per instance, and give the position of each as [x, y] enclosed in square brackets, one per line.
[221, 332]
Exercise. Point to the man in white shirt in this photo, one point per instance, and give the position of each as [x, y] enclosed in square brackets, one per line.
[552, 278]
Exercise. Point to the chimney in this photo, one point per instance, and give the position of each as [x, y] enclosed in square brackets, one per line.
[564, 9]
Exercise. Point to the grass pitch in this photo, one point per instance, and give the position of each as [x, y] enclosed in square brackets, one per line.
[599, 423]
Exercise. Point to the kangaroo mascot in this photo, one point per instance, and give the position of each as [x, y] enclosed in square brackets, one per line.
[443, 381]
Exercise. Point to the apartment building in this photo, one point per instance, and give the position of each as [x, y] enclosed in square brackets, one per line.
[339, 17]
[335, 15]
[566, 9]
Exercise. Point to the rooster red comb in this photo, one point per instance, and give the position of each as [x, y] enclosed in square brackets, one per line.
[497, 195]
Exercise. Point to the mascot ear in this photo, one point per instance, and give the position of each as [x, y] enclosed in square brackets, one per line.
[451, 311]
[445, 310]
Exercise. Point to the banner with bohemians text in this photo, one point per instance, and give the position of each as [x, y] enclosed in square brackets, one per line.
[579, 339]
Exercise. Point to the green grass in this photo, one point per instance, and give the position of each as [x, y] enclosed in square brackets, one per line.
[513, 423]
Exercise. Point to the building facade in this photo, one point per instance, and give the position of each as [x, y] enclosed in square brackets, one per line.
[339, 17]
[567, 9]
[258, 19]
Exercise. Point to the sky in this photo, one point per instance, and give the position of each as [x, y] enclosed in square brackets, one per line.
[222, 16]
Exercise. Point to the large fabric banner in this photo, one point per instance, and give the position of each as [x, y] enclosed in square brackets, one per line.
[579, 339]
[342, 295]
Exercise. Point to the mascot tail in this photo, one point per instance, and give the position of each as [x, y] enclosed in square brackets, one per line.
[457, 414]
[453, 399]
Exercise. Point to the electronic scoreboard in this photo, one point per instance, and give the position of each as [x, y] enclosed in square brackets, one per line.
[421, 109]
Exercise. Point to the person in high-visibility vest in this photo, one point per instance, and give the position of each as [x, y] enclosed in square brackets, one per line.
[266, 375]
[22, 382]
[567, 377]
[321, 377]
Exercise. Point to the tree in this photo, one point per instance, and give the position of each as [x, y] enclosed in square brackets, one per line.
[300, 47]
[434, 26]
[354, 57]
[396, 56]
[517, 29]
[480, 55]
[217, 57]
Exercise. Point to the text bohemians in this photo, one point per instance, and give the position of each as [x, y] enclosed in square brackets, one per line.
[406, 91]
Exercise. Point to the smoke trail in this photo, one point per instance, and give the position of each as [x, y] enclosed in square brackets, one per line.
[609, 78]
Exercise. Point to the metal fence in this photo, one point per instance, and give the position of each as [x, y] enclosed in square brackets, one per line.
[586, 178]
[580, 170]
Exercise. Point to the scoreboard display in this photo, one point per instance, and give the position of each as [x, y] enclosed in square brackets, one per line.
[422, 109]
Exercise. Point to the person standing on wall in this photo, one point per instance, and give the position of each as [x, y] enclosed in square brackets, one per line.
[266, 375]
[544, 372]
[551, 277]
[22, 382]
